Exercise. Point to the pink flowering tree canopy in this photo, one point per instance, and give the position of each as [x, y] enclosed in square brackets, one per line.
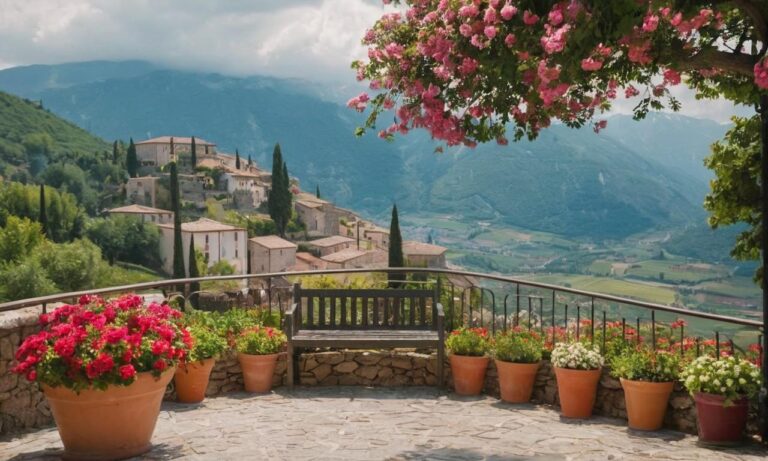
[471, 71]
[474, 71]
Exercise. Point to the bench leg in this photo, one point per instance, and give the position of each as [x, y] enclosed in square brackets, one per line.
[290, 366]
[440, 364]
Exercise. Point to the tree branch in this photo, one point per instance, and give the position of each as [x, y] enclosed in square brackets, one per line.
[755, 13]
[710, 57]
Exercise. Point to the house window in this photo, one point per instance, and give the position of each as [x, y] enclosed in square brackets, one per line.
[236, 236]
[236, 253]
[153, 218]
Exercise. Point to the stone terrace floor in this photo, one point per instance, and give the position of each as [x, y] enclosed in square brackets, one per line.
[355, 423]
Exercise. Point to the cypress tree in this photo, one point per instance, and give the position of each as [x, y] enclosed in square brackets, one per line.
[193, 272]
[193, 157]
[115, 154]
[178, 247]
[43, 213]
[396, 258]
[237, 159]
[273, 201]
[286, 199]
[173, 149]
[317, 192]
[250, 162]
[131, 161]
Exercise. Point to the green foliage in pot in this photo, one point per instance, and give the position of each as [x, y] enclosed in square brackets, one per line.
[468, 341]
[645, 364]
[260, 341]
[727, 376]
[518, 345]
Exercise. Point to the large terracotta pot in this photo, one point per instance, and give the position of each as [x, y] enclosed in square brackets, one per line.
[577, 390]
[646, 403]
[719, 424]
[192, 380]
[468, 373]
[115, 423]
[516, 380]
[257, 371]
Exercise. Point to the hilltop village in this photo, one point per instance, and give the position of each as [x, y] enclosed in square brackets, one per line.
[223, 202]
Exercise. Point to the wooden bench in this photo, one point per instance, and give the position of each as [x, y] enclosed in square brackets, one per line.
[364, 319]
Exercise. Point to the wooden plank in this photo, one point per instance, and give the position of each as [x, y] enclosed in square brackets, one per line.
[310, 312]
[343, 319]
[412, 312]
[332, 320]
[395, 312]
[321, 314]
[423, 311]
[386, 312]
[373, 292]
[375, 312]
[365, 312]
[353, 311]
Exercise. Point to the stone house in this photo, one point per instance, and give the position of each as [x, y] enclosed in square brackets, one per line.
[320, 216]
[377, 237]
[145, 213]
[308, 262]
[328, 245]
[217, 241]
[156, 152]
[419, 254]
[271, 253]
[348, 258]
[142, 190]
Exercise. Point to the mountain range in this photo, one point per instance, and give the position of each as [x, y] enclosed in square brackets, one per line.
[632, 177]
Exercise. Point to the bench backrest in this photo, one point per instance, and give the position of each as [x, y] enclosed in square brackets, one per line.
[365, 309]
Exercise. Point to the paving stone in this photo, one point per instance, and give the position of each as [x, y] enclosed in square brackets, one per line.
[357, 423]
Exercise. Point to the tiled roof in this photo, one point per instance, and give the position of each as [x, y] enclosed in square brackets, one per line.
[308, 257]
[422, 249]
[176, 140]
[139, 209]
[309, 204]
[344, 255]
[330, 241]
[273, 242]
[204, 225]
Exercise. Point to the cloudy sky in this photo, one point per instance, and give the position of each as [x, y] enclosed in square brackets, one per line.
[308, 39]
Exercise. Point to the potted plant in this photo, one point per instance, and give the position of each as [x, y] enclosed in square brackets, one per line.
[517, 354]
[647, 377]
[468, 360]
[721, 388]
[577, 370]
[103, 367]
[194, 372]
[257, 352]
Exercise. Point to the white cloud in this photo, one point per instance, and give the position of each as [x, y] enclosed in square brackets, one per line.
[314, 40]
[311, 39]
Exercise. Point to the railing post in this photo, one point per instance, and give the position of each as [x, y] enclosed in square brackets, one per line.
[763, 111]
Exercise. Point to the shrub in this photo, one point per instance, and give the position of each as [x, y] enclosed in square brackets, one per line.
[260, 341]
[727, 376]
[645, 364]
[576, 356]
[468, 341]
[518, 345]
[208, 343]
[97, 343]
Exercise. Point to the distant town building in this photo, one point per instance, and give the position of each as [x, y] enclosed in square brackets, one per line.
[271, 254]
[328, 245]
[145, 213]
[217, 241]
[142, 190]
[376, 236]
[308, 262]
[157, 151]
[420, 254]
[348, 258]
[320, 216]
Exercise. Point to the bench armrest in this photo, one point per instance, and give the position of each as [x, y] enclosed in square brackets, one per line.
[291, 321]
[440, 321]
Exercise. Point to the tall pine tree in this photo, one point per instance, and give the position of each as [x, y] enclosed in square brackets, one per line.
[179, 271]
[193, 155]
[115, 153]
[317, 192]
[43, 217]
[275, 194]
[193, 272]
[250, 162]
[131, 160]
[396, 258]
[237, 159]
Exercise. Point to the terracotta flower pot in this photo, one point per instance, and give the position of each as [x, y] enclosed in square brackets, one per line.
[646, 403]
[516, 380]
[192, 380]
[257, 371]
[577, 390]
[719, 424]
[115, 423]
[468, 373]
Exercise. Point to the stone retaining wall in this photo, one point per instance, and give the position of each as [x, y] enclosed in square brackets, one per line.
[22, 405]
